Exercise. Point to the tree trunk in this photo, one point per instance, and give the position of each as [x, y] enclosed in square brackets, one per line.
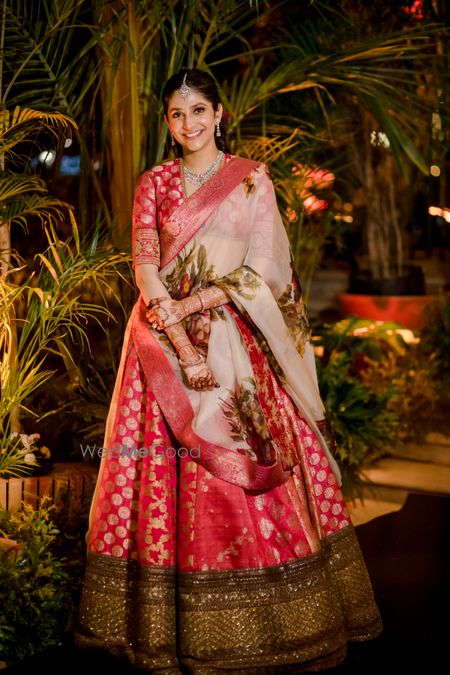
[5, 263]
[121, 108]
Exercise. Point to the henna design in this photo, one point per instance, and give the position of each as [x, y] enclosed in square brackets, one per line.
[167, 312]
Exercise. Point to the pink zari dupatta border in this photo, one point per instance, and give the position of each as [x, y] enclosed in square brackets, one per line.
[179, 414]
[187, 219]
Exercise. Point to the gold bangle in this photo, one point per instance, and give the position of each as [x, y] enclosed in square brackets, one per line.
[202, 304]
[196, 362]
[181, 345]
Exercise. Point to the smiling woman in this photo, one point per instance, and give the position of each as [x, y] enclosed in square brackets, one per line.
[242, 557]
[193, 121]
[194, 117]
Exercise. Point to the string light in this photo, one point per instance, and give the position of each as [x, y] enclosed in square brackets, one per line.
[47, 157]
[442, 213]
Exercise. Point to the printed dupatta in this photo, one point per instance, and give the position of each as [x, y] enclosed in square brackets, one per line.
[188, 218]
[252, 285]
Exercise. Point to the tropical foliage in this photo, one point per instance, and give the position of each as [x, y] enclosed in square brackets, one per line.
[378, 388]
[291, 76]
[46, 304]
[73, 284]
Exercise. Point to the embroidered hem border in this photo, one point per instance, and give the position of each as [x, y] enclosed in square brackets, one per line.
[269, 620]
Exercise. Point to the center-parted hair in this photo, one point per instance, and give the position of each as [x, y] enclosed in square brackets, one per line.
[205, 85]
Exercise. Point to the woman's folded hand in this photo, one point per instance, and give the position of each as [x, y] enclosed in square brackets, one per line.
[165, 312]
[199, 376]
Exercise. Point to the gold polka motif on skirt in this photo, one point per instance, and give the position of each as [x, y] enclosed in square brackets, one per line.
[283, 538]
[301, 549]
[137, 385]
[260, 501]
[266, 527]
[113, 467]
[127, 492]
[124, 512]
[277, 510]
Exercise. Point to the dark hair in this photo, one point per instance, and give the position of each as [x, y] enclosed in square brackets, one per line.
[205, 85]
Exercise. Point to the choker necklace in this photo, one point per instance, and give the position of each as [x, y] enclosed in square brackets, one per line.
[199, 179]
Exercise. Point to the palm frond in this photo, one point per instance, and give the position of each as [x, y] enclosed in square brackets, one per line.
[14, 187]
[21, 124]
[43, 58]
[42, 207]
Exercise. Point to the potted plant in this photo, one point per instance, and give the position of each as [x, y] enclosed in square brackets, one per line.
[387, 272]
[390, 143]
[388, 287]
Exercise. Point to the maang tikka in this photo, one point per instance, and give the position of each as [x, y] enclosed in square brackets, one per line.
[184, 90]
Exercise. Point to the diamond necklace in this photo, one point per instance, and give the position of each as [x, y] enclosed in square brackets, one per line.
[199, 179]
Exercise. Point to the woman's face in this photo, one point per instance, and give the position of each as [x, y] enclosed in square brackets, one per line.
[192, 121]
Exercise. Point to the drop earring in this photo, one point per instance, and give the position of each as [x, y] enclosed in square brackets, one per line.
[218, 132]
[172, 140]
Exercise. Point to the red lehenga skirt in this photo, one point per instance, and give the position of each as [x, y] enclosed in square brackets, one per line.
[189, 573]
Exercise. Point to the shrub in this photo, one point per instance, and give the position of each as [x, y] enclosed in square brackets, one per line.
[40, 581]
[363, 421]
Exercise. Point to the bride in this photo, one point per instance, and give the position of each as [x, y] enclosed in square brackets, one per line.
[234, 551]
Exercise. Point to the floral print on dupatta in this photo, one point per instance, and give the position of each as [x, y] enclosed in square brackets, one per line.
[293, 310]
[246, 283]
[192, 272]
[243, 412]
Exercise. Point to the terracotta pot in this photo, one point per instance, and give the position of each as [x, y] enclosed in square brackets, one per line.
[407, 310]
